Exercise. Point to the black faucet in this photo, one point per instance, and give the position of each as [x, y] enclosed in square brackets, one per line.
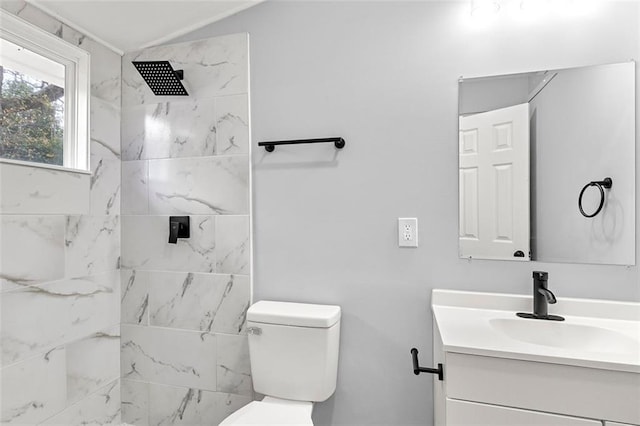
[542, 297]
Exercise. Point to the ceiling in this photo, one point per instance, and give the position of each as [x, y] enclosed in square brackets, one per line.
[130, 25]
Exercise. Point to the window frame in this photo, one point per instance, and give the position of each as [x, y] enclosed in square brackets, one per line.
[77, 90]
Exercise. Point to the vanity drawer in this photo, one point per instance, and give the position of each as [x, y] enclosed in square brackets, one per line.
[562, 389]
[462, 413]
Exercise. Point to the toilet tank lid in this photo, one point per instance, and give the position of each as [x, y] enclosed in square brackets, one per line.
[294, 314]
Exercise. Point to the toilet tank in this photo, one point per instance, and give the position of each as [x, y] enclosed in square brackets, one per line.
[294, 349]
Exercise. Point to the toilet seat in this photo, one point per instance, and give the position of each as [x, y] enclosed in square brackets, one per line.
[272, 411]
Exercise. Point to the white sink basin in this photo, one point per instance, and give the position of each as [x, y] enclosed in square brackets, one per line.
[565, 335]
[596, 333]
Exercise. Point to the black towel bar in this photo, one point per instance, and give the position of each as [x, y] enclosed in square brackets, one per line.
[271, 145]
[417, 369]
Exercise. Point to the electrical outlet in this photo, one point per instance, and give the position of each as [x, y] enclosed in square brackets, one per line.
[407, 232]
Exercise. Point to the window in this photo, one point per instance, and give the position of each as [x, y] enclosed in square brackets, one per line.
[44, 98]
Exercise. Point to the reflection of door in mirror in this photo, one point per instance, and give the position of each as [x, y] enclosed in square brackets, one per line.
[494, 184]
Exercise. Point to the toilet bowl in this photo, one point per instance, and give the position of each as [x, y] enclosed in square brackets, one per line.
[272, 411]
[293, 350]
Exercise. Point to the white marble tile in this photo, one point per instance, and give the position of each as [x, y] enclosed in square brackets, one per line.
[132, 141]
[171, 406]
[34, 389]
[182, 128]
[33, 190]
[98, 409]
[105, 129]
[105, 66]
[175, 357]
[135, 297]
[133, 133]
[106, 79]
[212, 67]
[33, 15]
[31, 249]
[233, 246]
[145, 245]
[135, 191]
[200, 302]
[105, 186]
[135, 402]
[92, 362]
[234, 368]
[38, 318]
[234, 299]
[207, 185]
[232, 124]
[92, 245]
[96, 305]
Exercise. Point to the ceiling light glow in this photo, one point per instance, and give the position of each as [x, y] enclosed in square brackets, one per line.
[483, 9]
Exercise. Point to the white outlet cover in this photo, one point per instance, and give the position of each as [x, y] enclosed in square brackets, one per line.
[407, 232]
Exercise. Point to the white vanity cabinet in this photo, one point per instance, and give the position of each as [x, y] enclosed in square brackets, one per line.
[463, 413]
[484, 390]
[488, 380]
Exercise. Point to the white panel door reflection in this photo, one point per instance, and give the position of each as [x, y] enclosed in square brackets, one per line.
[494, 184]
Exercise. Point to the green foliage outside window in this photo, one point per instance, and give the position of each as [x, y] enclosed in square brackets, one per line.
[31, 119]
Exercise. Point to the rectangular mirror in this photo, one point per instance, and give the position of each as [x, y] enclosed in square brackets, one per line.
[536, 152]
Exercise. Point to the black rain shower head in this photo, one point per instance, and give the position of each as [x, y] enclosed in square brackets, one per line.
[162, 79]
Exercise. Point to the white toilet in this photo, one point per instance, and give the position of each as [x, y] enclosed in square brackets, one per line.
[294, 361]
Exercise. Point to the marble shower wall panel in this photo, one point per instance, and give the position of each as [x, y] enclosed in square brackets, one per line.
[233, 365]
[135, 297]
[175, 357]
[232, 124]
[170, 129]
[105, 129]
[135, 402]
[20, 264]
[59, 266]
[184, 344]
[38, 318]
[98, 409]
[35, 389]
[93, 362]
[105, 158]
[135, 189]
[171, 405]
[204, 185]
[212, 67]
[145, 245]
[233, 244]
[105, 186]
[42, 191]
[92, 244]
[199, 302]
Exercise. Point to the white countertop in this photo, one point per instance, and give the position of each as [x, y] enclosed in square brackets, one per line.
[472, 323]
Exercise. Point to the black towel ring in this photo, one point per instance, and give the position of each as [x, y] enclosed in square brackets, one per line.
[606, 183]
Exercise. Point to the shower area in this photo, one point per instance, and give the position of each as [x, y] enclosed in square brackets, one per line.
[102, 319]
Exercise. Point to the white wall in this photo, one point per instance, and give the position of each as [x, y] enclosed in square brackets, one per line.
[384, 76]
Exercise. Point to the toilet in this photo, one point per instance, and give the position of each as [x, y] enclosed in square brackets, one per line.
[293, 348]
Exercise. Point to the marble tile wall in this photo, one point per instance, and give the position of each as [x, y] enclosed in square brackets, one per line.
[59, 267]
[184, 351]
